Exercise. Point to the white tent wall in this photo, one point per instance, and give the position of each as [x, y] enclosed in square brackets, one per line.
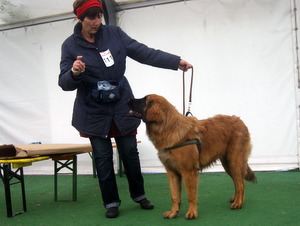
[243, 54]
[33, 106]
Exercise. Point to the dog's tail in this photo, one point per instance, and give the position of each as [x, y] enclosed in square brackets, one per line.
[250, 176]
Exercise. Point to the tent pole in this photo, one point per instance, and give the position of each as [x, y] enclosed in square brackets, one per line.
[109, 7]
[296, 43]
[146, 4]
[38, 21]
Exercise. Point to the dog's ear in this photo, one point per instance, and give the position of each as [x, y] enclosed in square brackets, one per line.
[153, 114]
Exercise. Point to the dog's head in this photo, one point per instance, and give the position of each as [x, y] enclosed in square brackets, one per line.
[151, 108]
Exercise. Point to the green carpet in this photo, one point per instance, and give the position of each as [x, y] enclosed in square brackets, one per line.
[273, 200]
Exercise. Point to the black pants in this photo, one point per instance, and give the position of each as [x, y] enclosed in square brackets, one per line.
[103, 154]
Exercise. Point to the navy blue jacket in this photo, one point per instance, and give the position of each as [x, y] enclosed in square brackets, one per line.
[91, 117]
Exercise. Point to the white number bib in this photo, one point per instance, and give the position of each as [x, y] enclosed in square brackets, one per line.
[107, 58]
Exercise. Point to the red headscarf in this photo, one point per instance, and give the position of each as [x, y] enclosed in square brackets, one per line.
[85, 6]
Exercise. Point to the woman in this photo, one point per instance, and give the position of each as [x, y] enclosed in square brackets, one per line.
[95, 56]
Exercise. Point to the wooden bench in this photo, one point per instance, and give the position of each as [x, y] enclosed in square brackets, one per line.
[61, 161]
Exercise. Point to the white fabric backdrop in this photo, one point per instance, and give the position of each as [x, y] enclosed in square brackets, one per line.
[243, 57]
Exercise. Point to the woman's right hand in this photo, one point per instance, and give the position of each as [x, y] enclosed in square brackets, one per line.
[78, 66]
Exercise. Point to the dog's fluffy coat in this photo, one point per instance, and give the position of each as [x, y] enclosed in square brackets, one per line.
[222, 137]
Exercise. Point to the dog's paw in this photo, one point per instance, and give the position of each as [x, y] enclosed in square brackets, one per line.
[191, 215]
[236, 206]
[171, 214]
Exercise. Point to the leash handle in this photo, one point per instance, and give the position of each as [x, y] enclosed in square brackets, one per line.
[191, 91]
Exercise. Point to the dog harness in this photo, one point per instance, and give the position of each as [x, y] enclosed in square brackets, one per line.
[187, 142]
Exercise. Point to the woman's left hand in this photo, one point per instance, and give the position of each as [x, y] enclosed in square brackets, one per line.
[184, 65]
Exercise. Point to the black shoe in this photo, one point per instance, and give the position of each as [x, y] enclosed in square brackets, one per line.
[112, 212]
[146, 204]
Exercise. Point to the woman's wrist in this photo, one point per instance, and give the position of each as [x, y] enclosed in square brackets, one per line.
[75, 72]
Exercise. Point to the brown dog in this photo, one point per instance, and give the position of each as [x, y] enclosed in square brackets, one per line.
[186, 145]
